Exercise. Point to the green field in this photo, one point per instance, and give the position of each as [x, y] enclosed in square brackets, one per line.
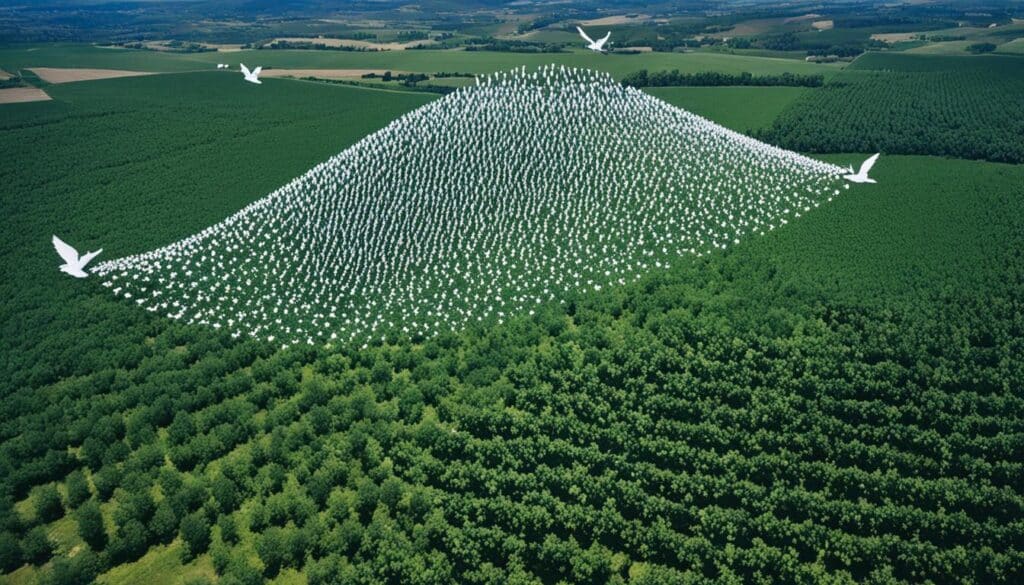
[420, 61]
[729, 106]
[964, 107]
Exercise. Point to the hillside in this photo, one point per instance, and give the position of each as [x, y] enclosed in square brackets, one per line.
[477, 206]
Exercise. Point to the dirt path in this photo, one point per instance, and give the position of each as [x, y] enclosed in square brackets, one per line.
[54, 75]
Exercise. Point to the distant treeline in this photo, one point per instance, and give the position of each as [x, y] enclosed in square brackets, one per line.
[406, 85]
[407, 78]
[643, 78]
[505, 46]
[171, 47]
[289, 45]
[14, 81]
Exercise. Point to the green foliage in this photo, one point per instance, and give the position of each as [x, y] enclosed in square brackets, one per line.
[979, 48]
[77, 488]
[228, 528]
[130, 542]
[90, 525]
[47, 503]
[963, 107]
[83, 568]
[11, 555]
[642, 78]
[37, 546]
[164, 524]
[195, 534]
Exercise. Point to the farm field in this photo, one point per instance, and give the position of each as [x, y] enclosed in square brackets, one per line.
[419, 60]
[728, 106]
[912, 104]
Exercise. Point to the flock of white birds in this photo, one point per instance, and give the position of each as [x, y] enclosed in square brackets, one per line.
[475, 207]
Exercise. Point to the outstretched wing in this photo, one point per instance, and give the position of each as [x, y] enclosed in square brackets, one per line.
[584, 35]
[86, 258]
[69, 254]
[600, 43]
[245, 70]
[864, 168]
[257, 70]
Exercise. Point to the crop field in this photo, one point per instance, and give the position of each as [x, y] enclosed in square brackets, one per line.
[420, 61]
[964, 107]
[729, 106]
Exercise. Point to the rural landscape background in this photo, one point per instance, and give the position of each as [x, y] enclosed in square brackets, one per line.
[838, 398]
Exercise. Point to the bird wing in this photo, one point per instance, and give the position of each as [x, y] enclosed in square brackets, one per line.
[245, 70]
[584, 35]
[257, 70]
[69, 254]
[87, 257]
[864, 168]
[604, 40]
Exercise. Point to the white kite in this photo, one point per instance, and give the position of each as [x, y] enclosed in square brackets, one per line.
[596, 46]
[73, 263]
[251, 76]
[862, 174]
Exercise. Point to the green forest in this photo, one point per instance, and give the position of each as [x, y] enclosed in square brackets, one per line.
[964, 107]
[763, 414]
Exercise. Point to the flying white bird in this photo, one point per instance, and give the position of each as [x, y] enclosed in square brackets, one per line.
[251, 76]
[596, 46]
[862, 174]
[73, 263]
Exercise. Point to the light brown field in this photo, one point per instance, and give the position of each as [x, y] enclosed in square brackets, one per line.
[823, 25]
[17, 95]
[617, 19]
[325, 73]
[4, 75]
[54, 75]
[801, 18]
[355, 43]
[894, 37]
[164, 46]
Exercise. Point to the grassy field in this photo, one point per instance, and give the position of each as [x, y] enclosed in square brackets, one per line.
[728, 105]
[12, 59]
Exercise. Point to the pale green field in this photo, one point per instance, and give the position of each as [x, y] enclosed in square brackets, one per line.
[1015, 47]
[732, 107]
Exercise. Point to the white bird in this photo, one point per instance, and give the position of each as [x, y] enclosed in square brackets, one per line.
[596, 46]
[251, 76]
[862, 174]
[73, 263]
